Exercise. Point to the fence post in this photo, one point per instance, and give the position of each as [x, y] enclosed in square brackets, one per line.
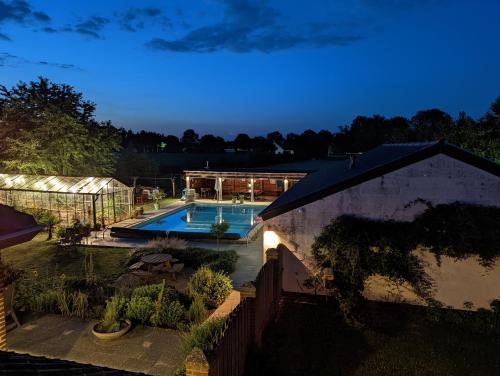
[197, 363]
[3, 328]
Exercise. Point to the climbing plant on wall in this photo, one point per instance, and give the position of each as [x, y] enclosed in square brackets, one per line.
[357, 248]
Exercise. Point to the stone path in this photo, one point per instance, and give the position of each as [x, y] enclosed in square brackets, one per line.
[152, 351]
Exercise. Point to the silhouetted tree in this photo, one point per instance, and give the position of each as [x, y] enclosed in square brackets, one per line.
[190, 138]
[242, 142]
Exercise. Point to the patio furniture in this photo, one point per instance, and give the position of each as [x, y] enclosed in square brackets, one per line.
[156, 258]
[9, 306]
[143, 274]
[136, 266]
[174, 270]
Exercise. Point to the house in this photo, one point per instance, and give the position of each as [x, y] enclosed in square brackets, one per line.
[279, 150]
[390, 182]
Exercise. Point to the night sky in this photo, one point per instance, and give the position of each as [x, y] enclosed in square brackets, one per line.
[254, 66]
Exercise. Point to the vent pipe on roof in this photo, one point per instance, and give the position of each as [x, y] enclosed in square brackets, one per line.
[352, 161]
[207, 167]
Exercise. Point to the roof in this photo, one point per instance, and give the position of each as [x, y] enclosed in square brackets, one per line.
[245, 172]
[372, 164]
[56, 184]
[24, 364]
[298, 167]
[16, 227]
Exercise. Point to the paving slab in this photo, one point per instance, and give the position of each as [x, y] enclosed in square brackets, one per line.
[149, 350]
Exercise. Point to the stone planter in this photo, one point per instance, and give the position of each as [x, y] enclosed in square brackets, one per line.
[125, 327]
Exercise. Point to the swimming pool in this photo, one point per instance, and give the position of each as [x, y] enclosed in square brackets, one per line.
[197, 218]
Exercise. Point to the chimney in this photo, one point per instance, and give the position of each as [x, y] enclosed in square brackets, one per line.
[207, 167]
[352, 161]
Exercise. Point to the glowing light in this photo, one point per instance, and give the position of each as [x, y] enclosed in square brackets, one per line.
[271, 240]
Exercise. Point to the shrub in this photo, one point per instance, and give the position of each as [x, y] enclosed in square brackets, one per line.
[212, 287]
[203, 336]
[152, 292]
[139, 309]
[197, 311]
[170, 315]
[79, 304]
[225, 262]
[64, 301]
[115, 309]
[44, 302]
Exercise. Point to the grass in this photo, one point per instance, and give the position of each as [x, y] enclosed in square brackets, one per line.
[313, 339]
[47, 259]
[164, 202]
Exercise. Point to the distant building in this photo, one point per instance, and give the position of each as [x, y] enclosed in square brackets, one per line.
[280, 150]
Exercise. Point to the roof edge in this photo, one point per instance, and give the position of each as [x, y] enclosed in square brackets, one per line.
[440, 147]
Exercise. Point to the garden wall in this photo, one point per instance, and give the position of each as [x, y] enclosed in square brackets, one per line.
[439, 179]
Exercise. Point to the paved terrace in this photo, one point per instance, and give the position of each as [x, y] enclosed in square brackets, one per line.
[149, 350]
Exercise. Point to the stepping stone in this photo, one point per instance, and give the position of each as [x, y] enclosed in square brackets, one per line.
[29, 327]
[147, 344]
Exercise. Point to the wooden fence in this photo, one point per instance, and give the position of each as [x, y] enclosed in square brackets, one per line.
[245, 325]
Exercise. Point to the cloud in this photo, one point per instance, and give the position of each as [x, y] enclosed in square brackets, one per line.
[19, 11]
[9, 60]
[249, 25]
[90, 27]
[135, 19]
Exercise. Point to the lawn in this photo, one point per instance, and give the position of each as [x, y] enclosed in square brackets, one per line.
[311, 339]
[164, 202]
[47, 259]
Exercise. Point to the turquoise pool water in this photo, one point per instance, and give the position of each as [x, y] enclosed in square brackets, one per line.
[199, 218]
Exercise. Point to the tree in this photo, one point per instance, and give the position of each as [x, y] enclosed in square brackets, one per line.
[190, 138]
[50, 220]
[60, 145]
[22, 106]
[218, 230]
[131, 163]
[212, 144]
[242, 142]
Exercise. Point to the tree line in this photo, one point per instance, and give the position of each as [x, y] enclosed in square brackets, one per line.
[49, 128]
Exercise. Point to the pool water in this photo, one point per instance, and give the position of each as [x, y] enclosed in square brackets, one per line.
[199, 218]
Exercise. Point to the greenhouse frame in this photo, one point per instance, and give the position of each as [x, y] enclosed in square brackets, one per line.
[91, 200]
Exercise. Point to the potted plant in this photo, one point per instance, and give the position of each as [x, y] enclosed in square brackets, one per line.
[234, 199]
[112, 325]
[157, 197]
[242, 198]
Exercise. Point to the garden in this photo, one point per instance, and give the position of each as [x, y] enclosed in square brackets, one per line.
[83, 282]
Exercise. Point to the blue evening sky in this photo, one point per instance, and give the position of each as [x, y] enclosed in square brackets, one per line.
[254, 66]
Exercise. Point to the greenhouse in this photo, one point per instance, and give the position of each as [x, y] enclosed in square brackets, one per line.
[91, 200]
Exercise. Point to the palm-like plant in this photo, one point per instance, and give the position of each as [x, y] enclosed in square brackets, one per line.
[50, 220]
[218, 230]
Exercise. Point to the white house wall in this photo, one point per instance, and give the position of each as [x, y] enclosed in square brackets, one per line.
[439, 179]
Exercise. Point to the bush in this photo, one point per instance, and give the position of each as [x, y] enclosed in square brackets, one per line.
[139, 309]
[212, 287]
[115, 309]
[44, 302]
[152, 292]
[203, 336]
[197, 311]
[170, 315]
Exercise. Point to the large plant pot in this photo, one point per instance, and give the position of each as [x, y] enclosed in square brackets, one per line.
[156, 206]
[126, 325]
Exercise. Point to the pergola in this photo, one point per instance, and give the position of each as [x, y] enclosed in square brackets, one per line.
[91, 200]
[251, 182]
